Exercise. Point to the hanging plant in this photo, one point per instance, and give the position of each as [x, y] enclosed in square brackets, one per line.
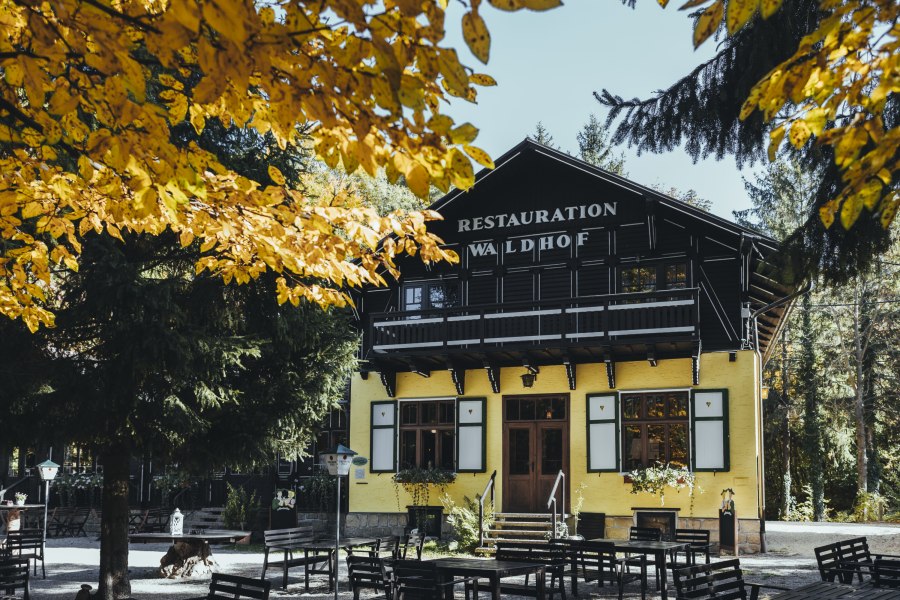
[418, 481]
[656, 479]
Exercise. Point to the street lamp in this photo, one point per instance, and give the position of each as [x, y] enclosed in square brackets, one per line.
[47, 471]
[338, 463]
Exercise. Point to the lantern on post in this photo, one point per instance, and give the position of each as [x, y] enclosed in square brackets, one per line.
[47, 471]
[176, 523]
[338, 463]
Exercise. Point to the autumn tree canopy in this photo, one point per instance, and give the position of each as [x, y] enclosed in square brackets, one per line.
[92, 89]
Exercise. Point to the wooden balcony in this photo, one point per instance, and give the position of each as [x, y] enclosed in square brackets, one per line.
[662, 323]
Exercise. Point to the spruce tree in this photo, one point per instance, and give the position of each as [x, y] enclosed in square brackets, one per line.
[700, 113]
[812, 422]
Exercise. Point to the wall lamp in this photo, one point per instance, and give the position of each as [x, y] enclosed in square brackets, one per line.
[529, 376]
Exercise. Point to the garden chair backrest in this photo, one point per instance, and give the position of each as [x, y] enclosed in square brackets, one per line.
[13, 576]
[886, 572]
[722, 580]
[234, 587]
[367, 572]
[645, 534]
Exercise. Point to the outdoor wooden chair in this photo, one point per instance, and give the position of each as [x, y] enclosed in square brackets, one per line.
[699, 546]
[27, 544]
[234, 587]
[597, 561]
[388, 547]
[419, 580]
[645, 534]
[722, 580]
[75, 523]
[368, 572]
[14, 576]
[847, 559]
[556, 557]
[886, 572]
[411, 541]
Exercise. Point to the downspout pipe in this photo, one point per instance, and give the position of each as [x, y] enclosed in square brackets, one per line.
[762, 459]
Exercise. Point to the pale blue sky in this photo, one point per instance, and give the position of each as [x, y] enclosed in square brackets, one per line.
[549, 64]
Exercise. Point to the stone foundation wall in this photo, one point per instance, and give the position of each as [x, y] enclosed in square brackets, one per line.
[375, 524]
[748, 530]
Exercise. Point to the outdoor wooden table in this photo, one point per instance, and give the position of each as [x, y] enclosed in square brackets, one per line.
[492, 570]
[6, 508]
[189, 554]
[826, 590]
[346, 543]
[659, 550]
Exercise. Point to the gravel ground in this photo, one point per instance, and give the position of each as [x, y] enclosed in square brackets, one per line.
[790, 562]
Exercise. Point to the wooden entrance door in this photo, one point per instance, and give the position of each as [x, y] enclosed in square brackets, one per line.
[536, 448]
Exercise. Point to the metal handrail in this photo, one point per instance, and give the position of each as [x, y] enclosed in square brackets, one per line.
[12, 485]
[551, 501]
[487, 488]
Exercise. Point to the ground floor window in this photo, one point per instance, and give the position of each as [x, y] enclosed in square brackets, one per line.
[654, 429]
[427, 434]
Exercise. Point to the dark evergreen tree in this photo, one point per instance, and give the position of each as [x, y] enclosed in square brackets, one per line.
[701, 113]
[812, 423]
[594, 147]
[542, 136]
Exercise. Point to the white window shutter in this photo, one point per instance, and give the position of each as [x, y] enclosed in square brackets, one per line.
[603, 433]
[709, 431]
[470, 435]
[383, 440]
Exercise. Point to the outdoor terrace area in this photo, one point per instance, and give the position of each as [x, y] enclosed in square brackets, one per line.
[790, 563]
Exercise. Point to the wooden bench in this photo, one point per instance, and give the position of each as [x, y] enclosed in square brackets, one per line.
[233, 587]
[846, 558]
[554, 556]
[297, 540]
[724, 579]
[27, 544]
[13, 576]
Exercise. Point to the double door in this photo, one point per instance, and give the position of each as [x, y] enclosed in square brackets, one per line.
[536, 448]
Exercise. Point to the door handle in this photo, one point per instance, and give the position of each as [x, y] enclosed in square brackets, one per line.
[532, 466]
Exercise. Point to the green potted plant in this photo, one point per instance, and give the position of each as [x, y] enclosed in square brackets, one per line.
[418, 483]
[656, 479]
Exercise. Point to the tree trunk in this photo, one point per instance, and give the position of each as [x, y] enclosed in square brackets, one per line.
[114, 584]
[859, 408]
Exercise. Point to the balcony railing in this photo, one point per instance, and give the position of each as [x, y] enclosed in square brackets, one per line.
[578, 321]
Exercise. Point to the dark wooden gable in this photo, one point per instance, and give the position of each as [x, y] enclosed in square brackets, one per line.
[544, 229]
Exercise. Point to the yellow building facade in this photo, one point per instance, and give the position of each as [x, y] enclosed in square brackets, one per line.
[605, 492]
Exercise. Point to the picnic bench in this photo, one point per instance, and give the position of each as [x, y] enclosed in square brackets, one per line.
[297, 540]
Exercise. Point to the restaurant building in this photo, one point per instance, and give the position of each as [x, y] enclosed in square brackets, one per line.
[591, 327]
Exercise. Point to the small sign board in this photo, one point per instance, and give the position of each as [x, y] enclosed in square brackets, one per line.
[360, 460]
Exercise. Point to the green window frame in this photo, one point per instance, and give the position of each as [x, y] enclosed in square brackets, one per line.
[710, 435]
[383, 430]
[471, 414]
[603, 433]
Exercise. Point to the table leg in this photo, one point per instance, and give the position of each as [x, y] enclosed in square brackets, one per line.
[661, 565]
[495, 587]
[305, 572]
[541, 580]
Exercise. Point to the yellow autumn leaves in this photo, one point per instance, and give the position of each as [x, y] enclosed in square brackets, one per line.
[833, 90]
[90, 91]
